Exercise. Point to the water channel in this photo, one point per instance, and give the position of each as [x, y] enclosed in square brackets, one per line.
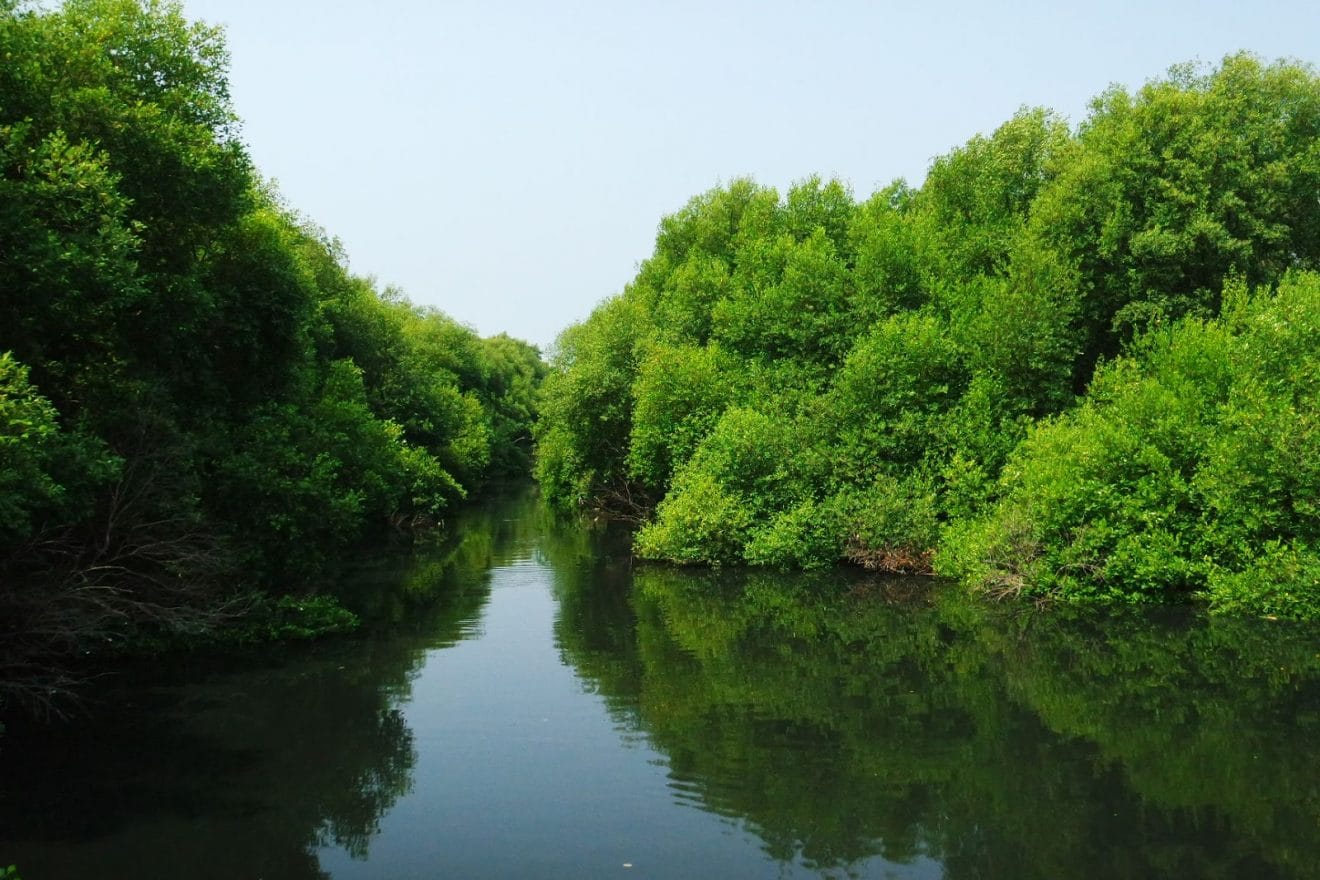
[524, 701]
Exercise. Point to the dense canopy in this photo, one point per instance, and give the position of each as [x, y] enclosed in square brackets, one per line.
[196, 397]
[1075, 363]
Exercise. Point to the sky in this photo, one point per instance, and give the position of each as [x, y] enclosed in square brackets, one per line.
[508, 162]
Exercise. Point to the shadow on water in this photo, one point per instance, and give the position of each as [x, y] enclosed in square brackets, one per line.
[243, 766]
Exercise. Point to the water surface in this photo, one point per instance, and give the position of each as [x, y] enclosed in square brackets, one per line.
[527, 703]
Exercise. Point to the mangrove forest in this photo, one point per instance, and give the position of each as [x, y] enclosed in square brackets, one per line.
[1076, 363]
[201, 408]
[302, 579]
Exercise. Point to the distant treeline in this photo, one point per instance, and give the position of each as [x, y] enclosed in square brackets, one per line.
[1080, 364]
[196, 397]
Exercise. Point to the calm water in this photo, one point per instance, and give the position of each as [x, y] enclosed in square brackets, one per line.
[525, 703]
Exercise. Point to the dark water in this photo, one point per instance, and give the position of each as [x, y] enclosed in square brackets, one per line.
[526, 704]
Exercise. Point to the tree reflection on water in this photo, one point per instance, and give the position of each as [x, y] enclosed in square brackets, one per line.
[842, 717]
[838, 718]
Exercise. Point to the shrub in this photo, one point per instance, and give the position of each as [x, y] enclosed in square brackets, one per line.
[1192, 468]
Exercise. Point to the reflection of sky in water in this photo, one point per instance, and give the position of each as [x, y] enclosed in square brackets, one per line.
[521, 772]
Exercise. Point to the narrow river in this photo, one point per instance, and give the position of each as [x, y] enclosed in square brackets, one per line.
[525, 702]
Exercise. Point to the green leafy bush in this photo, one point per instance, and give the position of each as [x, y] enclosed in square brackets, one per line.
[1192, 468]
[1031, 360]
[680, 393]
[46, 473]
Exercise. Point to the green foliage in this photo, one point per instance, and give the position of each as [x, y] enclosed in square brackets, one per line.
[788, 299]
[690, 294]
[45, 472]
[887, 272]
[299, 481]
[703, 522]
[713, 224]
[264, 299]
[977, 198]
[807, 535]
[1282, 581]
[1168, 192]
[741, 473]
[196, 397]
[680, 393]
[289, 619]
[510, 397]
[790, 382]
[586, 412]
[1020, 335]
[889, 396]
[891, 524]
[1192, 468]
[64, 225]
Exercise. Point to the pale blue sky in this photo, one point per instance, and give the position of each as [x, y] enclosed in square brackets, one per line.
[508, 161]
